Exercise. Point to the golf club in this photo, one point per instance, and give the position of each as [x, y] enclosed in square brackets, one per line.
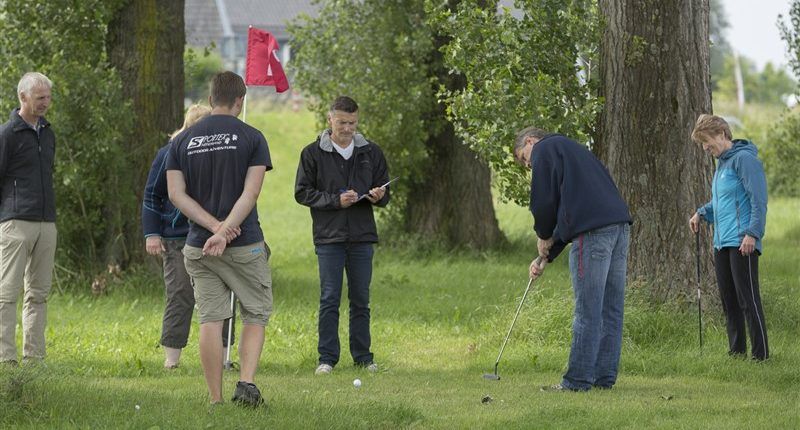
[494, 376]
[699, 307]
[229, 365]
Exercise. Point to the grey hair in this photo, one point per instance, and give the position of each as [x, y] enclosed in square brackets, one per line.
[32, 80]
[519, 142]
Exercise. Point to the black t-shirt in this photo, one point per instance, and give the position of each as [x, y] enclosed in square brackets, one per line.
[214, 156]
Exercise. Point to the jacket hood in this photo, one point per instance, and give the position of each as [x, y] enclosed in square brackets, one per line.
[739, 145]
[20, 124]
[326, 143]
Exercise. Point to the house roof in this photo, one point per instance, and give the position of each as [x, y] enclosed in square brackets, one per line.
[204, 25]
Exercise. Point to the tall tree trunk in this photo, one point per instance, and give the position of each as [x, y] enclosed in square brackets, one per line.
[453, 201]
[655, 80]
[145, 44]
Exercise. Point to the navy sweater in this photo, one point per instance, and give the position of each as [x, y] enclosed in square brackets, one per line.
[159, 216]
[571, 192]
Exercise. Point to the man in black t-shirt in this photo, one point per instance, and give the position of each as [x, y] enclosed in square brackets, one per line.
[215, 170]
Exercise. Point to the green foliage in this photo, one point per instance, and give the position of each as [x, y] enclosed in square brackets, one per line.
[520, 72]
[781, 156]
[720, 48]
[199, 67]
[379, 53]
[65, 40]
[790, 33]
[768, 86]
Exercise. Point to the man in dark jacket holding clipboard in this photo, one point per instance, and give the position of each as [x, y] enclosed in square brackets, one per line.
[340, 177]
[574, 199]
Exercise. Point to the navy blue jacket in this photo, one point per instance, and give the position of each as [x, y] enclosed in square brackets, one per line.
[27, 161]
[571, 192]
[159, 216]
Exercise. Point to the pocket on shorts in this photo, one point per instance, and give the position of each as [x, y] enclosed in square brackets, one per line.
[192, 253]
[251, 254]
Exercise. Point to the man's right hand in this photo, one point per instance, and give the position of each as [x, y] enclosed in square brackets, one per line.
[347, 198]
[694, 223]
[153, 245]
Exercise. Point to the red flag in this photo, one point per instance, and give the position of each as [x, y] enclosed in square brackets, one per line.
[263, 67]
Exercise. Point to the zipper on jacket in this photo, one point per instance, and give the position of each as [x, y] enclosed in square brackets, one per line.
[15, 196]
[41, 172]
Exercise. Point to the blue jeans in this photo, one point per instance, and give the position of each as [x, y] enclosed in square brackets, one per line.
[334, 259]
[598, 263]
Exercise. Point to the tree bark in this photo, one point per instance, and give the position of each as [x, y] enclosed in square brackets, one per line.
[145, 44]
[453, 201]
[655, 79]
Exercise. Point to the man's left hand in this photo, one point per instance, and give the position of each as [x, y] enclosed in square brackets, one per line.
[376, 194]
[544, 247]
[215, 245]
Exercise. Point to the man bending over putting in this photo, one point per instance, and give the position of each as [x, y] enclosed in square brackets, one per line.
[574, 199]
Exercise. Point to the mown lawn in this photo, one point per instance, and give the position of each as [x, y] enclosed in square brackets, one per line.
[438, 321]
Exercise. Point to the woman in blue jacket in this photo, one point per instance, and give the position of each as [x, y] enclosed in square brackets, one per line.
[165, 229]
[738, 210]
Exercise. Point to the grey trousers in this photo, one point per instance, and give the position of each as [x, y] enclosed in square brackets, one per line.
[179, 294]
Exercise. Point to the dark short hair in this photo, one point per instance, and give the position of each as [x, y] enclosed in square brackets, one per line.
[226, 87]
[344, 104]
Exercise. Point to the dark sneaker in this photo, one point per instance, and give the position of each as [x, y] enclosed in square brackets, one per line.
[247, 394]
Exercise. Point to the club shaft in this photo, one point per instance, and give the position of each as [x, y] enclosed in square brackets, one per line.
[514, 321]
[699, 295]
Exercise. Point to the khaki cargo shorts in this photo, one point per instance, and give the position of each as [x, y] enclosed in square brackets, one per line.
[241, 269]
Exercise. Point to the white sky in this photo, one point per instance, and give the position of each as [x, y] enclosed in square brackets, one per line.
[753, 30]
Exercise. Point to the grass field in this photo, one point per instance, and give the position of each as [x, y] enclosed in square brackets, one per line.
[438, 321]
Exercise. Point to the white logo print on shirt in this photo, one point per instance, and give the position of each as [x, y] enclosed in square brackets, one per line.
[213, 142]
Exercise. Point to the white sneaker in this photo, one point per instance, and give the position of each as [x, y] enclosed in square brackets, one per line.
[323, 369]
[372, 368]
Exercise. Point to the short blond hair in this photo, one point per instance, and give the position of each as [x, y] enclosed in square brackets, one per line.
[195, 113]
[710, 126]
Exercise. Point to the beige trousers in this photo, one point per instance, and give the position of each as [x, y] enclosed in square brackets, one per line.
[27, 256]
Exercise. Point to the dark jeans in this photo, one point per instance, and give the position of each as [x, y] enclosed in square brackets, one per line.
[356, 260]
[179, 298]
[737, 279]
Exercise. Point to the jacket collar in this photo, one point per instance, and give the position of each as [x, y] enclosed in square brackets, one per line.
[19, 124]
[326, 144]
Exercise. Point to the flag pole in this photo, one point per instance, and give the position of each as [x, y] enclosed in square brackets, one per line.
[244, 109]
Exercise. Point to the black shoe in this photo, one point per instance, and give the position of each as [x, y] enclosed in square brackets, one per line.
[247, 394]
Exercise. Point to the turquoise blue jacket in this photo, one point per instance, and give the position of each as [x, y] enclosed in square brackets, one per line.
[738, 205]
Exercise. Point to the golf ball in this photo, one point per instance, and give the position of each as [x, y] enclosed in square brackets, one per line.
[137, 407]
[357, 383]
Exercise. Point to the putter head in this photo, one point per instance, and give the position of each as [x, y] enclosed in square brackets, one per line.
[230, 365]
[491, 376]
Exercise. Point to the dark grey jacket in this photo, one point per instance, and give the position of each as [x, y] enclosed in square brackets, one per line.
[27, 161]
[320, 180]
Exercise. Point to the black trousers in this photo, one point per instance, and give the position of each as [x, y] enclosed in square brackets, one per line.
[737, 279]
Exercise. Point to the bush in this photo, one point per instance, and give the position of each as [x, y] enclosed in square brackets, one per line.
[89, 116]
[200, 65]
[781, 156]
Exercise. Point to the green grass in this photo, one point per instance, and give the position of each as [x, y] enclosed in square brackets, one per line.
[438, 321]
